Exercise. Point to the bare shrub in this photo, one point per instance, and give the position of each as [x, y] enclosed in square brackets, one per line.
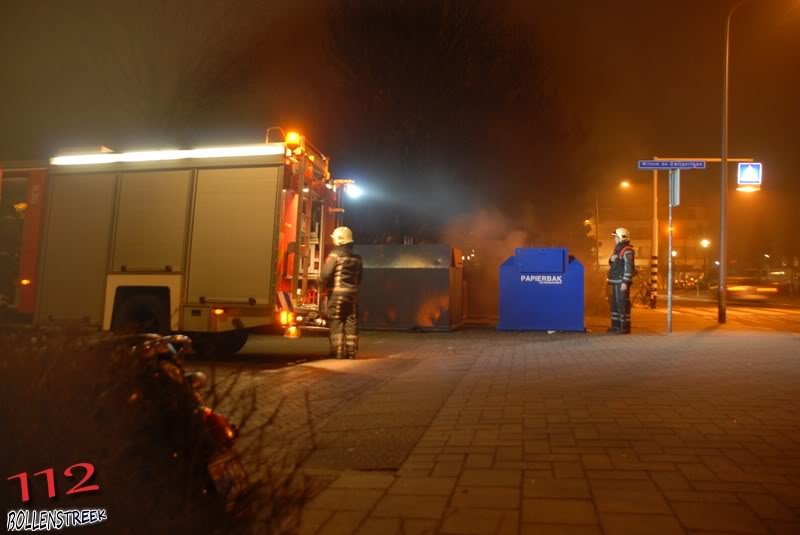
[70, 398]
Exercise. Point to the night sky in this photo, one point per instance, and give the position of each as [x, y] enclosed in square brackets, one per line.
[455, 112]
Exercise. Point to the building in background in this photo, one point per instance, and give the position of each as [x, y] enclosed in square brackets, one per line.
[694, 250]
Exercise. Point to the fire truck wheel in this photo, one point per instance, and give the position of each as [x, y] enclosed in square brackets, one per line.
[209, 345]
[141, 313]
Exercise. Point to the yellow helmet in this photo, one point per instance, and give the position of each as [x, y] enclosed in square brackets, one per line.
[622, 233]
[342, 236]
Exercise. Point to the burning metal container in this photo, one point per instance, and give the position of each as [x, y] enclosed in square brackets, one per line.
[411, 287]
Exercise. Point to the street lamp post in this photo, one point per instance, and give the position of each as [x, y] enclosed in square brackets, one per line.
[673, 253]
[597, 231]
[723, 199]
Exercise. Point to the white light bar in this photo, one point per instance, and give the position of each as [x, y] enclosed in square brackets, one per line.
[272, 149]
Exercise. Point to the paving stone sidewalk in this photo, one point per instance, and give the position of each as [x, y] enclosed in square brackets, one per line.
[525, 433]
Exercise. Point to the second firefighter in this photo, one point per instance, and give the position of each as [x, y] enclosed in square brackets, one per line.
[341, 273]
[622, 269]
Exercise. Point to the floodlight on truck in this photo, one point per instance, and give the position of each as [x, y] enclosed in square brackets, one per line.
[219, 311]
[353, 191]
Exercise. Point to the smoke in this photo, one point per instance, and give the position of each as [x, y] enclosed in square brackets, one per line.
[491, 236]
[486, 238]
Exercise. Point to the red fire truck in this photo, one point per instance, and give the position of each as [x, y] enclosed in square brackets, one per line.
[21, 196]
[214, 241]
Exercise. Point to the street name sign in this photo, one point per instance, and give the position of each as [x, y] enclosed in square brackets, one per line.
[671, 164]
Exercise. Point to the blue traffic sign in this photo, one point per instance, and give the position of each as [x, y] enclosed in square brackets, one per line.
[749, 174]
[671, 164]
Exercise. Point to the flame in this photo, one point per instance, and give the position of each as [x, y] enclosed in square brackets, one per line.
[431, 310]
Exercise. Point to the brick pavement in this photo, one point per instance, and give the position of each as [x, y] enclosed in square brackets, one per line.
[694, 433]
[484, 432]
[302, 398]
[338, 407]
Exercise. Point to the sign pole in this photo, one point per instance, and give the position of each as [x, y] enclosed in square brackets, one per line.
[669, 272]
[674, 192]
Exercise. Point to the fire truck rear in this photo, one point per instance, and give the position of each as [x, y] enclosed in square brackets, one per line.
[215, 242]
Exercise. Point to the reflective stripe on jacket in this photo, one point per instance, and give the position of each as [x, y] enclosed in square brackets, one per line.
[342, 270]
[623, 267]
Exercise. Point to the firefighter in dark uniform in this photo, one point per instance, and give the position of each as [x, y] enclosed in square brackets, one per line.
[341, 273]
[621, 271]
